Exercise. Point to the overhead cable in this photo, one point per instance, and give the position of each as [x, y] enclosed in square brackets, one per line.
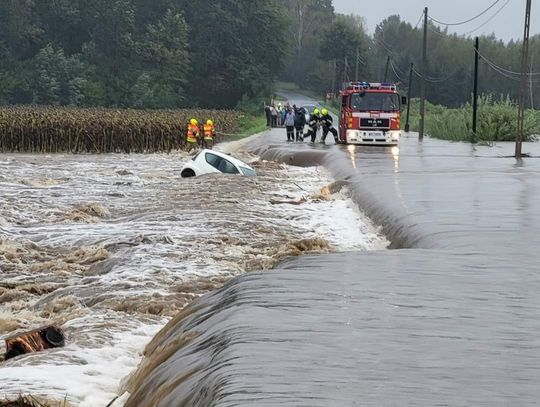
[466, 21]
[433, 80]
[394, 68]
[420, 19]
[489, 19]
[489, 62]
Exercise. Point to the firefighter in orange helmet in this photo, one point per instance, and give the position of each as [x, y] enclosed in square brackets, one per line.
[193, 134]
[209, 134]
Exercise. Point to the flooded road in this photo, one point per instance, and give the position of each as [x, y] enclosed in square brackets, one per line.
[393, 328]
[113, 246]
[451, 321]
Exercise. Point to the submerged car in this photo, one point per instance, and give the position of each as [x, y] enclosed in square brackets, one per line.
[209, 161]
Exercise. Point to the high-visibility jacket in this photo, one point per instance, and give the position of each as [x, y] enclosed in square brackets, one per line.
[192, 133]
[209, 131]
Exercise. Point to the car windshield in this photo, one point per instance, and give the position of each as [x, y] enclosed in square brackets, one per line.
[387, 102]
[248, 172]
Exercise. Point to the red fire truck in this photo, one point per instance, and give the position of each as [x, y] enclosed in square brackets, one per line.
[370, 114]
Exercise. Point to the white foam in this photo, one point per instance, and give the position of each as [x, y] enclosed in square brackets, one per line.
[159, 241]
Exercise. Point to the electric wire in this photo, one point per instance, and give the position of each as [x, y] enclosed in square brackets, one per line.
[420, 19]
[501, 72]
[434, 80]
[489, 19]
[395, 71]
[466, 21]
[491, 63]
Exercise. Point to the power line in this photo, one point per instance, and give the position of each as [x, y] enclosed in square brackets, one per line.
[434, 80]
[420, 19]
[385, 46]
[501, 71]
[395, 71]
[489, 62]
[466, 21]
[489, 19]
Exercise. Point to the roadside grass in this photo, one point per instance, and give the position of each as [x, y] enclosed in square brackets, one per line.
[248, 126]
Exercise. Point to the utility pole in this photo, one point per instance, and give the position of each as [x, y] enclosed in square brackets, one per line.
[386, 69]
[423, 79]
[475, 92]
[357, 61]
[345, 69]
[407, 127]
[523, 82]
[531, 70]
[334, 77]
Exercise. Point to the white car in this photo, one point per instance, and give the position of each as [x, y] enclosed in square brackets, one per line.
[209, 161]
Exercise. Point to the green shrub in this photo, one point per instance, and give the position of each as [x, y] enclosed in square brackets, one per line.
[497, 121]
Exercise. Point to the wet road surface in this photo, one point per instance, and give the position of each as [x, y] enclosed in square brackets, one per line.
[453, 320]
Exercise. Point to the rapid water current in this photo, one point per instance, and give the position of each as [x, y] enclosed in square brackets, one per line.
[112, 246]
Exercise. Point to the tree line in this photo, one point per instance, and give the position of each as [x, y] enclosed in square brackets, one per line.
[330, 49]
[228, 53]
[139, 53]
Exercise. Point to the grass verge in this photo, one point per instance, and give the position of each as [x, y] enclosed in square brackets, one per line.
[248, 126]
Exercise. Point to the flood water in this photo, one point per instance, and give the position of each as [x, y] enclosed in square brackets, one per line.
[449, 318]
[113, 246]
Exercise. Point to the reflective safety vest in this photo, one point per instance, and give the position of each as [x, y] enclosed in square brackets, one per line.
[192, 133]
[209, 131]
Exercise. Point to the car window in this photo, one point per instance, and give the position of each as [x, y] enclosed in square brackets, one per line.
[213, 160]
[227, 167]
[196, 155]
[248, 172]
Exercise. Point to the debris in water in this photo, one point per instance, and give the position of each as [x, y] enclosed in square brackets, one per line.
[37, 340]
[31, 401]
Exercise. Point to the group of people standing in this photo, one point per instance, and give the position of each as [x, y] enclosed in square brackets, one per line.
[275, 114]
[295, 121]
[195, 138]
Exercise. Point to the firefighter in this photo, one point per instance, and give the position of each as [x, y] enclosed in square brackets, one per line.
[193, 134]
[313, 124]
[209, 134]
[328, 126]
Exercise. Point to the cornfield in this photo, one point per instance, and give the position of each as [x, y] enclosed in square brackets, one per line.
[43, 129]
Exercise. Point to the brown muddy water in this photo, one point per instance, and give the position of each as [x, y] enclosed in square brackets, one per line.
[113, 246]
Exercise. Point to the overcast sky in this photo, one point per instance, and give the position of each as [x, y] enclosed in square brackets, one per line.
[508, 24]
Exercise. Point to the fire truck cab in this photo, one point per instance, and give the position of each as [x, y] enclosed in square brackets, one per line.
[370, 114]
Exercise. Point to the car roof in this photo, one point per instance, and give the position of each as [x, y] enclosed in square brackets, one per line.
[235, 161]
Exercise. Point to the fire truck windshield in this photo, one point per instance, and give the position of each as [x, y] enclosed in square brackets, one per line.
[386, 102]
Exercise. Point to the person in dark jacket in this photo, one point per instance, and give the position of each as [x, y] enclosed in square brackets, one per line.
[328, 126]
[268, 112]
[299, 123]
[313, 124]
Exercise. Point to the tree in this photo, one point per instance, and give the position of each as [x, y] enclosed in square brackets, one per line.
[343, 42]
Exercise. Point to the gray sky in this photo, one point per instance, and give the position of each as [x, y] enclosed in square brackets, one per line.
[508, 24]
